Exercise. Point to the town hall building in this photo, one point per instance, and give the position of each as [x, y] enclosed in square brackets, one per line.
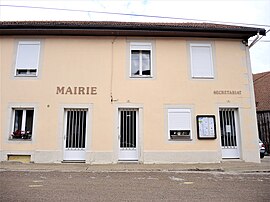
[109, 92]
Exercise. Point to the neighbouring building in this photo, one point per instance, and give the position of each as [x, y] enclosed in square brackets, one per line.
[262, 97]
[104, 92]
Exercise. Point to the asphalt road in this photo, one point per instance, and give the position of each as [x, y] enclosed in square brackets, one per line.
[133, 186]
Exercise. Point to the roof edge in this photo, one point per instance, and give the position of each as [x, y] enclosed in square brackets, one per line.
[109, 28]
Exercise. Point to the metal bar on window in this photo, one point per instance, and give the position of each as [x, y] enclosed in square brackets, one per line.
[227, 128]
[126, 130]
[84, 116]
[221, 128]
[79, 128]
[121, 129]
[234, 129]
[132, 130]
[124, 140]
[224, 127]
[68, 129]
[72, 130]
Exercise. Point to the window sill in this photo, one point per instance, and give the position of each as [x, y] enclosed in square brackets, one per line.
[25, 75]
[210, 78]
[19, 140]
[141, 77]
[179, 140]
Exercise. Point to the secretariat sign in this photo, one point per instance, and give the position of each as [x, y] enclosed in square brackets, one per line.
[62, 90]
[227, 92]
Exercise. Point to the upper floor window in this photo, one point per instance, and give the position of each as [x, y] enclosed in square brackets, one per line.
[27, 60]
[140, 59]
[22, 123]
[201, 60]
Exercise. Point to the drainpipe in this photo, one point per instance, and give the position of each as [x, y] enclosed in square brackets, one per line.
[112, 69]
[255, 40]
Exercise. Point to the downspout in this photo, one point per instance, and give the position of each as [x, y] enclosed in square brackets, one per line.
[255, 40]
[112, 70]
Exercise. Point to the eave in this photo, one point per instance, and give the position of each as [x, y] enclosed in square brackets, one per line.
[82, 28]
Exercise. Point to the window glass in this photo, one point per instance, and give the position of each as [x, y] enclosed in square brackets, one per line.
[29, 121]
[18, 120]
[135, 62]
[22, 124]
[146, 62]
[140, 63]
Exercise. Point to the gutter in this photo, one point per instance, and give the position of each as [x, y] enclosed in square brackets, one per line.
[128, 29]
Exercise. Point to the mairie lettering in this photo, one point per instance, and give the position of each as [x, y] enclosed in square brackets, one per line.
[76, 90]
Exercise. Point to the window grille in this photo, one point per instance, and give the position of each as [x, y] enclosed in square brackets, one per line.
[228, 128]
[128, 129]
[76, 128]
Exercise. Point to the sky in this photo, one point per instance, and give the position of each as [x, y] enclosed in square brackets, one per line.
[252, 13]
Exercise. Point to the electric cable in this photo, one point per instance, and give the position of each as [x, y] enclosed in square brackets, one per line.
[133, 15]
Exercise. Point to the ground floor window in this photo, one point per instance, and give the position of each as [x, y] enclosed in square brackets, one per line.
[22, 124]
[179, 124]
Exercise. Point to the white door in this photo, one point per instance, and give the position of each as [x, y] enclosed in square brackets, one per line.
[229, 133]
[75, 134]
[128, 135]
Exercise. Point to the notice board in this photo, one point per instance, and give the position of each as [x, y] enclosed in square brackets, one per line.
[206, 127]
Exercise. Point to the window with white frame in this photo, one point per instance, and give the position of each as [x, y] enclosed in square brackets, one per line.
[140, 59]
[27, 60]
[22, 123]
[179, 124]
[201, 60]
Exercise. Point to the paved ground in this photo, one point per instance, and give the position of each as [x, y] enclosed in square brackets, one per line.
[226, 181]
[133, 186]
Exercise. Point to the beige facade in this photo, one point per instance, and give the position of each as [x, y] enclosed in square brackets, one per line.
[93, 73]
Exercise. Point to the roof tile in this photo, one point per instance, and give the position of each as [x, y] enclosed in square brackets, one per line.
[262, 94]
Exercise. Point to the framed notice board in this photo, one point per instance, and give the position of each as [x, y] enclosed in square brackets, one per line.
[206, 127]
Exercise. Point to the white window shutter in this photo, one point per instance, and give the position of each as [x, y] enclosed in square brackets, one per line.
[141, 46]
[201, 61]
[179, 120]
[28, 55]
